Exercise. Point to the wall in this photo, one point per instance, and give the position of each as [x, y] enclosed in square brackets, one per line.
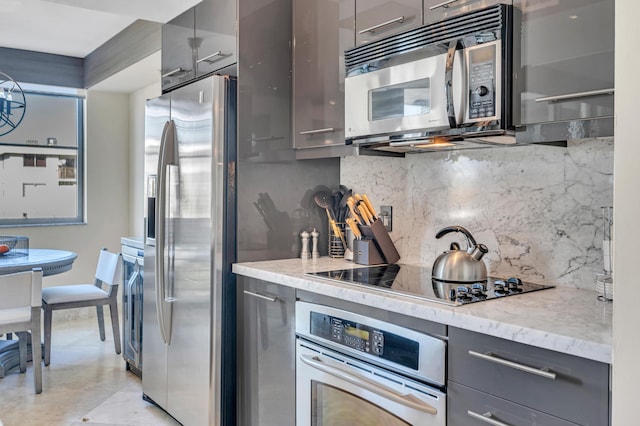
[107, 194]
[626, 316]
[137, 101]
[537, 208]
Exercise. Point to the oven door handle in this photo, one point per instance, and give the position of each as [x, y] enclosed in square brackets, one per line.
[362, 382]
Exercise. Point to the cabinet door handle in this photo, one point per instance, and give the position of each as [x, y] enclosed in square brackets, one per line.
[486, 418]
[260, 296]
[444, 4]
[311, 132]
[172, 72]
[587, 94]
[489, 356]
[213, 55]
[398, 20]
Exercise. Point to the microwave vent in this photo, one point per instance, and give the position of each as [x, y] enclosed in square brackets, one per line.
[473, 23]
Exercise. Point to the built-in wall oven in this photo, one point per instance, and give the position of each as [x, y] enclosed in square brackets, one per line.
[353, 369]
[132, 250]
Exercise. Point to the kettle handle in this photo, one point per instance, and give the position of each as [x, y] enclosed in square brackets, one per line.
[449, 229]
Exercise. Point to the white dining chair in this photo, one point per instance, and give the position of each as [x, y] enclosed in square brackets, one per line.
[102, 292]
[20, 300]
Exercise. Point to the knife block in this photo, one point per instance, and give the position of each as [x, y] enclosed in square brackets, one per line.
[365, 252]
[378, 233]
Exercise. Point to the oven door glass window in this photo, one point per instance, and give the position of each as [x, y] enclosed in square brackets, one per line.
[400, 100]
[335, 407]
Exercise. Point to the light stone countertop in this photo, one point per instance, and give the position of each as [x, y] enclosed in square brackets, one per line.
[562, 319]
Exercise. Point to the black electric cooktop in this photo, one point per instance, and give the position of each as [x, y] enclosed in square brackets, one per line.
[416, 281]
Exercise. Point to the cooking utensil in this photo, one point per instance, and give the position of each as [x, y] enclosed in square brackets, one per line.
[323, 199]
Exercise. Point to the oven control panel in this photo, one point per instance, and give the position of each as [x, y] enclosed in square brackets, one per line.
[364, 338]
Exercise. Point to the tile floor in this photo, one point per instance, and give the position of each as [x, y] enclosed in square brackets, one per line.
[85, 384]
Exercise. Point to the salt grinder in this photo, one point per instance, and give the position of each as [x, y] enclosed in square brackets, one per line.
[314, 235]
[304, 253]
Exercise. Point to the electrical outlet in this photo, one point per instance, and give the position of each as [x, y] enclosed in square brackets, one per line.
[385, 217]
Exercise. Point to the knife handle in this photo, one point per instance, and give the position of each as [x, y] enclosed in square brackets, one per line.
[365, 214]
[369, 206]
[352, 208]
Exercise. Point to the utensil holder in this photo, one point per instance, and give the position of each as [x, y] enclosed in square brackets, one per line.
[378, 233]
[365, 252]
[336, 249]
[604, 287]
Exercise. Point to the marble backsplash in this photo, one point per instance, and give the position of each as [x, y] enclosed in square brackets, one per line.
[537, 208]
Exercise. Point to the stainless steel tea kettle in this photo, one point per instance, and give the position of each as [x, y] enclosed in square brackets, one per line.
[460, 266]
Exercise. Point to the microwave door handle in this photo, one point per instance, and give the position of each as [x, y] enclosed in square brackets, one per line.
[448, 84]
[364, 383]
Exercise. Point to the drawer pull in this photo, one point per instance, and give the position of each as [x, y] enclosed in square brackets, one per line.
[486, 417]
[212, 58]
[311, 132]
[174, 72]
[576, 95]
[398, 20]
[537, 371]
[260, 296]
[444, 4]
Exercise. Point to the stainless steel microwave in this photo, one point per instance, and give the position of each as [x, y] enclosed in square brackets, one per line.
[441, 84]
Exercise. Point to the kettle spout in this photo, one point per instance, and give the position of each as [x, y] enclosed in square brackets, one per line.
[479, 251]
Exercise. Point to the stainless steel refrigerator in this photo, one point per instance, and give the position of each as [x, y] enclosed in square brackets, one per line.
[189, 290]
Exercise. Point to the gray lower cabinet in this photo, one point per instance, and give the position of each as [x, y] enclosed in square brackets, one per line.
[513, 382]
[266, 353]
[470, 407]
[567, 59]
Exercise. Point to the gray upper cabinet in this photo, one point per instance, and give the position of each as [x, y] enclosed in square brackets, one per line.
[215, 30]
[376, 19]
[437, 10]
[567, 60]
[178, 36]
[323, 30]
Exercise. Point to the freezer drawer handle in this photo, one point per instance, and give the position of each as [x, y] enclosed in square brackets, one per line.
[576, 95]
[398, 20]
[444, 4]
[261, 296]
[364, 383]
[489, 356]
[486, 418]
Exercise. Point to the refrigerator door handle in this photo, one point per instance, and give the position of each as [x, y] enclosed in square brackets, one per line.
[167, 156]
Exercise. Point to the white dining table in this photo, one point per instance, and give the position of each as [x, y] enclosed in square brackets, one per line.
[52, 262]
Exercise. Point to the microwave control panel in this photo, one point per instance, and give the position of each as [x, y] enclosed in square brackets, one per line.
[363, 338]
[483, 70]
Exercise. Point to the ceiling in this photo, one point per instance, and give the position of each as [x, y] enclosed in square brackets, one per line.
[78, 27]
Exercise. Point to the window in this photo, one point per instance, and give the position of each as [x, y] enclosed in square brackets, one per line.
[41, 160]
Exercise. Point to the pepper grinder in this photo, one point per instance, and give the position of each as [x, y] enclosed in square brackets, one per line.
[314, 235]
[304, 253]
